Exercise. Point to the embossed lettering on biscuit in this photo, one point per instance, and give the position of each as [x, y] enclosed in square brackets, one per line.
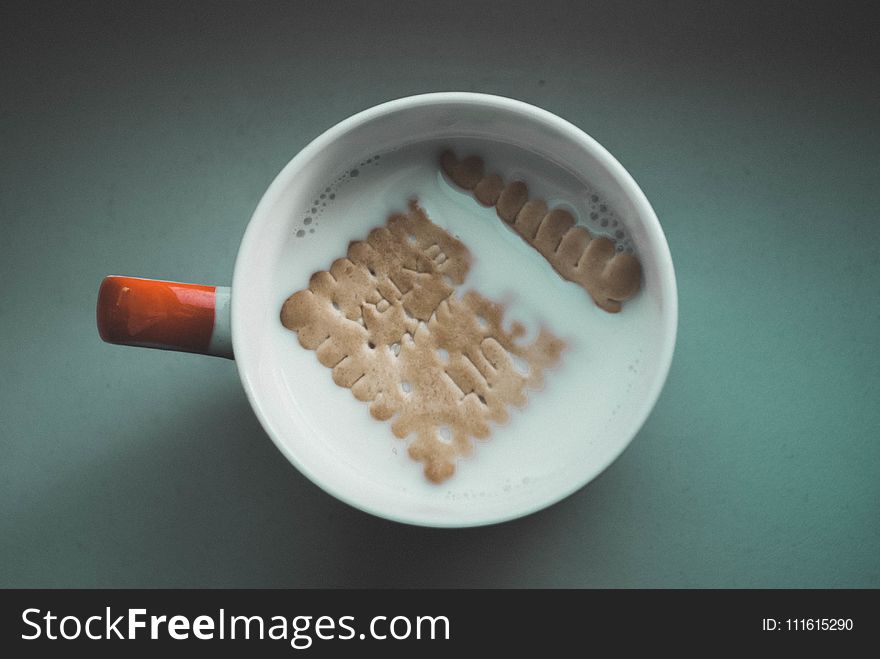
[380, 317]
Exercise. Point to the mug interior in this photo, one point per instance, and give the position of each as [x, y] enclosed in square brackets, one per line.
[329, 435]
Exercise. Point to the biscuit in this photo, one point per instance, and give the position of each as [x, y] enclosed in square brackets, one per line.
[511, 200]
[386, 321]
[610, 277]
[466, 173]
[489, 189]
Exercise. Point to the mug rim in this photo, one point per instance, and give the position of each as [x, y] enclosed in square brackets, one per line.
[622, 177]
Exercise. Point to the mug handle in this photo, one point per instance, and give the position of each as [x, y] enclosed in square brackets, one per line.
[167, 315]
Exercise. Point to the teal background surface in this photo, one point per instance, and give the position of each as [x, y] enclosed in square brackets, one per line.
[137, 139]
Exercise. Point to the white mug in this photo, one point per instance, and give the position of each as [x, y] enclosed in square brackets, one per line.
[322, 429]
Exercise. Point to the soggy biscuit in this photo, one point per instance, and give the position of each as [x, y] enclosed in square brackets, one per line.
[489, 189]
[610, 277]
[466, 173]
[439, 367]
[529, 218]
[511, 200]
[615, 276]
[553, 227]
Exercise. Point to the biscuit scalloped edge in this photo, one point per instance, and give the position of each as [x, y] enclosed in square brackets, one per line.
[610, 277]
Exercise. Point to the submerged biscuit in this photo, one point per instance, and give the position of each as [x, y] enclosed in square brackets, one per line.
[610, 277]
[386, 321]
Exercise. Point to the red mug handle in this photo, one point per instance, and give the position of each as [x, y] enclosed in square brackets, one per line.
[164, 314]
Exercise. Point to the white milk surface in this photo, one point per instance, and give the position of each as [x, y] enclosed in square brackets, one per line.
[581, 412]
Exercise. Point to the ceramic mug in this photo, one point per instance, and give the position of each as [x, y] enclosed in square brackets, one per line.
[318, 426]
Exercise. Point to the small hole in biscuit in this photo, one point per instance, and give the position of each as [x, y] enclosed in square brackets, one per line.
[406, 386]
[482, 399]
[371, 345]
[444, 434]
[335, 305]
[372, 272]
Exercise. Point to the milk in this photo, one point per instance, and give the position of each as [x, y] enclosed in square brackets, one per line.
[584, 398]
